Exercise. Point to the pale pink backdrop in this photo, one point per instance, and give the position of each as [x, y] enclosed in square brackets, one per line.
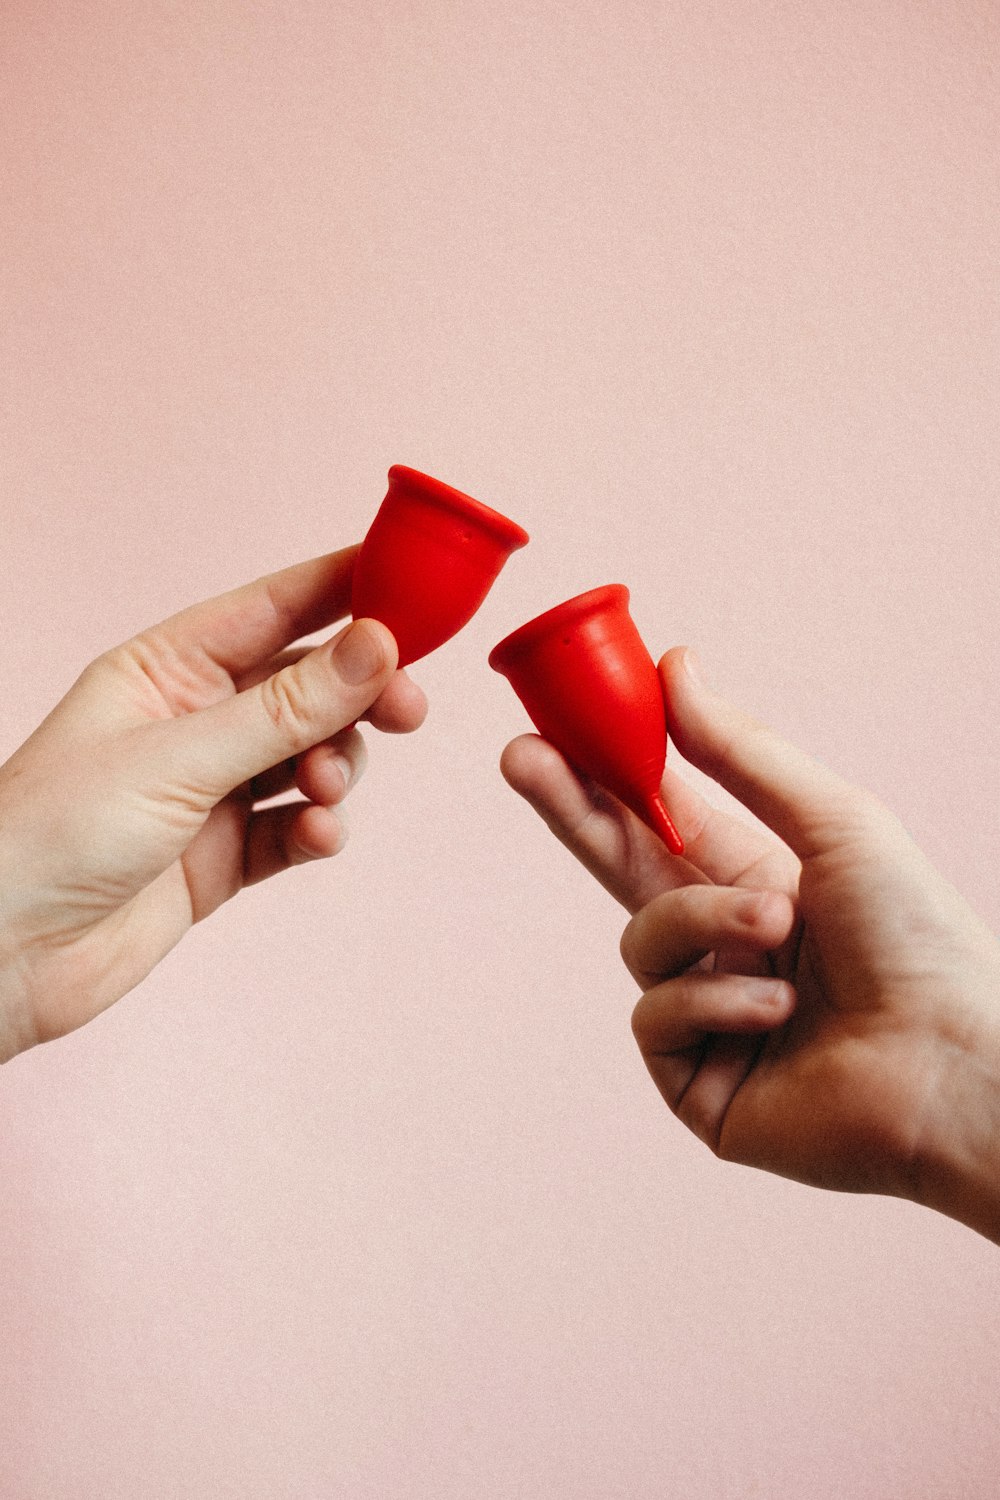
[366, 1193]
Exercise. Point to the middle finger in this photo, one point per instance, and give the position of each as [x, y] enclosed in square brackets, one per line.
[681, 927]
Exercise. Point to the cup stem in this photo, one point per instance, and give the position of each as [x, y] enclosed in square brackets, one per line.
[661, 822]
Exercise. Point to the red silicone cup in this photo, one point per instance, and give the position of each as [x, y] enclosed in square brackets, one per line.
[592, 689]
[430, 558]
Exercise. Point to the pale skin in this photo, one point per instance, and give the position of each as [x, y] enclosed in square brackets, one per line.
[133, 810]
[817, 1002]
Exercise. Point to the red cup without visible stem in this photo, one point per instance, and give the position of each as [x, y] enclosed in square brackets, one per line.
[592, 689]
[429, 559]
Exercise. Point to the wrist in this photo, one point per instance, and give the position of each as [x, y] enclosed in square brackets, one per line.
[17, 1032]
[958, 1173]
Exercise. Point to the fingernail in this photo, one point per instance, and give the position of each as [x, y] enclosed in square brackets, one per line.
[358, 654]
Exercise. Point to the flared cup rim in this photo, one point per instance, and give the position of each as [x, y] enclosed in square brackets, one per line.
[456, 502]
[559, 617]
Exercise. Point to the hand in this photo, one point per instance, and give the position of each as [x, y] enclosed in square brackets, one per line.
[131, 812]
[823, 1004]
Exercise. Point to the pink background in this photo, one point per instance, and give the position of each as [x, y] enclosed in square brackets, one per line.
[366, 1193]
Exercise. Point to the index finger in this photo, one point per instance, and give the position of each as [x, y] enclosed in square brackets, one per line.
[610, 841]
[248, 625]
[618, 849]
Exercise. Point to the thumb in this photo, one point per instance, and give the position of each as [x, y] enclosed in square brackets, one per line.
[807, 805]
[219, 748]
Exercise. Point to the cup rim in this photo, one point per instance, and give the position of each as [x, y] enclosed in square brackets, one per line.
[456, 502]
[506, 652]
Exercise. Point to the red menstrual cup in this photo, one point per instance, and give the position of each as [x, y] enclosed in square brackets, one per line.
[430, 558]
[592, 690]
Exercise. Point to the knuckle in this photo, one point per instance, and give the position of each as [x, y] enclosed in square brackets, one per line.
[657, 932]
[736, 731]
[99, 674]
[638, 948]
[868, 813]
[642, 1029]
[702, 1119]
[845, 819]
[627, 945]
[685, 905]
[285, 700]
[640, 1026]
[180, 677]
